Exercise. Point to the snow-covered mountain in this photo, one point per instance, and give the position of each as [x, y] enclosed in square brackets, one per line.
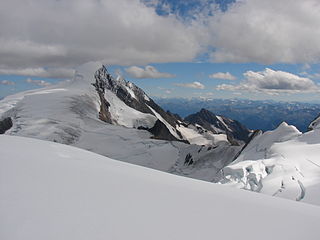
[140, 111]
[136, 110]
[283, 162]
[117, 119]
[53, 191]
[234, 130]
[114, 118]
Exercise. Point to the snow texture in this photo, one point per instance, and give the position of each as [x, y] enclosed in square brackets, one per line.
[53, 191]
[283, 163]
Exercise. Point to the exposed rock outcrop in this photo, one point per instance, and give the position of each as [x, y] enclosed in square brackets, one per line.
[5, 124]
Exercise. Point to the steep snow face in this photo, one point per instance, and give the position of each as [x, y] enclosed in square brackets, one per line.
[283, 163]
[53, 191]
[258, 148]
[126, 116]
[196, 134]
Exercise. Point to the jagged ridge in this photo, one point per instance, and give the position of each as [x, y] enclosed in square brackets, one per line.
[219, 124]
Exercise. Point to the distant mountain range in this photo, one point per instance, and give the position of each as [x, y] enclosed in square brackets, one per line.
[264, 115]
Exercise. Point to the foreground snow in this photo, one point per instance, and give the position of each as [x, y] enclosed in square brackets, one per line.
[53, 191]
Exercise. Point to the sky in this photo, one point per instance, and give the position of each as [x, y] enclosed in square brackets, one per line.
[252, 49]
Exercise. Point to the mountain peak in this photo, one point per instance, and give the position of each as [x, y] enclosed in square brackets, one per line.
[218, 124]
[206, 112]
[124, 103]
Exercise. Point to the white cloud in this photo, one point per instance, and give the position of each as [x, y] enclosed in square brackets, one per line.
[7, 82]
[196, 85]
[147, 72]
[266, 32]
[65, 34]
[38, 82]
[221, 75]
[272, 82]
[69, 33]
[40, 72]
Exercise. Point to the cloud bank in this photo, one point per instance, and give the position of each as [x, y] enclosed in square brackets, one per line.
[147, 72]
[40, 72]
[267, 32]
[64, 34]
[272, 82]
[50, 33]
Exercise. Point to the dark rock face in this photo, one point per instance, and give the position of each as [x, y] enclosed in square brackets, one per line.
[100, 86]
[251, 137]
[135, 98]
[160, 131]
[121, 88]
[211, 122]
[188, 160]
[104, 113]
[5, 125]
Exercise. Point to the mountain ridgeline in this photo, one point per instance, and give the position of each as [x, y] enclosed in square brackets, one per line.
[161, 124]
[135, 98]
[219, 124]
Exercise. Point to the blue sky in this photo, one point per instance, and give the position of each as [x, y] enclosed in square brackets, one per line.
[197, 48]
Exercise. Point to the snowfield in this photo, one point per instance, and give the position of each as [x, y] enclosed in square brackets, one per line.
[283, 162]
[53, 191]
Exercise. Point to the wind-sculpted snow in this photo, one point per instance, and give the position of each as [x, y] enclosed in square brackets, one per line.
[283, 163]
[54, 191]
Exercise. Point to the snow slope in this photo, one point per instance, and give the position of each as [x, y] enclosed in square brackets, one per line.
[53, 191]
[68, 113]
[283, 163]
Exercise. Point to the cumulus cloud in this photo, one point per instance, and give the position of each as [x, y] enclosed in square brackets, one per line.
[266, 32]
[224, 76]
[40, 72]
[272, 82]
[196, 85]
[7, 82]
[147, 72]
[69, 33]
[41, 83]
[64, 34]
